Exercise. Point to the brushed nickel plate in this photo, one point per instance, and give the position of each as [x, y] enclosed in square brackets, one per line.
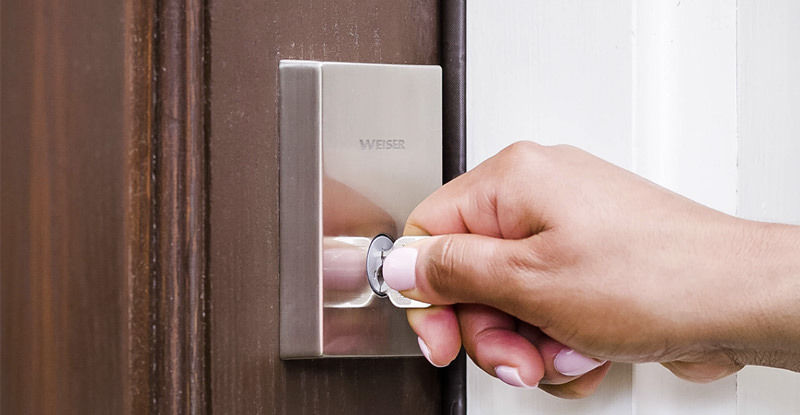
[360, 147]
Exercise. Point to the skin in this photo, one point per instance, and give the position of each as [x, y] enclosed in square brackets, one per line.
[547, 248]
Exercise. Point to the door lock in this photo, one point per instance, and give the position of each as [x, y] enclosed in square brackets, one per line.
[379, 249]
[360, 148]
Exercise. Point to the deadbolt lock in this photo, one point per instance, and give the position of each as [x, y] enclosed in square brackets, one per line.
[360, 147]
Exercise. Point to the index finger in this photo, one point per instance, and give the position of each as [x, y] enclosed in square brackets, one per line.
[494, 199]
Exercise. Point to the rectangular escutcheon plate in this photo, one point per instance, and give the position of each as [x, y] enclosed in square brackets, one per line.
[360, 147]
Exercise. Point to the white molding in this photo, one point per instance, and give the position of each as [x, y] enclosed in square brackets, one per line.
[701, 96]
[684, 138]
[553, 72]
[684, 105]
[769, 149]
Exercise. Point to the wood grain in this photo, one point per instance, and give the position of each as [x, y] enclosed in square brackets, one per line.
[139, 182]
[165, 221]
[62, 208]
[138, 393]
[103, 210]
[246, 42]
[180, 210]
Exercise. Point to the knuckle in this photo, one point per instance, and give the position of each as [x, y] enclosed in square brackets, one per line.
[519, 155]
[523, 149]
[525, 146]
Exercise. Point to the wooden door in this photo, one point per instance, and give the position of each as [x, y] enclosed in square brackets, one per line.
[243, 202]
[139, 209]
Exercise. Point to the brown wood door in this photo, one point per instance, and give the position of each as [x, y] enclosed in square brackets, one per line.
[139, 267]
[243, 200]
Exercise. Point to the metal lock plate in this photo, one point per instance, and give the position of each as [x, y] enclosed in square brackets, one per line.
[360, 147]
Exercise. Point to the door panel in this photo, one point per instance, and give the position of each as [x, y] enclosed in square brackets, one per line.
[139, 213]
[246, 42]
[63, 179]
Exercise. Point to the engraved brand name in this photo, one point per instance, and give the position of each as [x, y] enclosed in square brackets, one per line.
[394, 144]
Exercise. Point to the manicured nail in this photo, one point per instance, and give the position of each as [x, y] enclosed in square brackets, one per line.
[510, 375]
[571, 363]
[399, 269]
[426, 351]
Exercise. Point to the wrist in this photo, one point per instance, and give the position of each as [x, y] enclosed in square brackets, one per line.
[764, 312]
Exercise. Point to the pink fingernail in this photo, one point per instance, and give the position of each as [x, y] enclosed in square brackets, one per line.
[510, 375]
[426, 351]
[399, 269]
[571, 363]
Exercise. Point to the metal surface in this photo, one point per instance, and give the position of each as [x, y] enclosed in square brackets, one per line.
[346, 130]
[378, 249]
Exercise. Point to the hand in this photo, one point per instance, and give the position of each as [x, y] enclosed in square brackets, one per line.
[553, 261]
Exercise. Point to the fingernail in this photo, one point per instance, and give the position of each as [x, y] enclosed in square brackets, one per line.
[510, 375]
[426, 351]
[398, 269]
[571, 363]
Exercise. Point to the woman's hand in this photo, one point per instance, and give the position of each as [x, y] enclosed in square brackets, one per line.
[553, 261]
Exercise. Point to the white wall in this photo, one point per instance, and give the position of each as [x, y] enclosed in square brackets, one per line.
[684, 123]
[769, 146]
[674, 90]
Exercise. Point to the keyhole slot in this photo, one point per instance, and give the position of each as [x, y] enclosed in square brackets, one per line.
[378, 250]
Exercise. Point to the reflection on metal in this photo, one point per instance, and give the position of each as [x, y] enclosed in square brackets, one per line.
[361, 146]
[343, 272]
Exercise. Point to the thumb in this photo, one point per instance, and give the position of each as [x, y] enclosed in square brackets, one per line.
[462, 268]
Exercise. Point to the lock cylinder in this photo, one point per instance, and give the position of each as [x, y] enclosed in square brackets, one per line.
[378, 250]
